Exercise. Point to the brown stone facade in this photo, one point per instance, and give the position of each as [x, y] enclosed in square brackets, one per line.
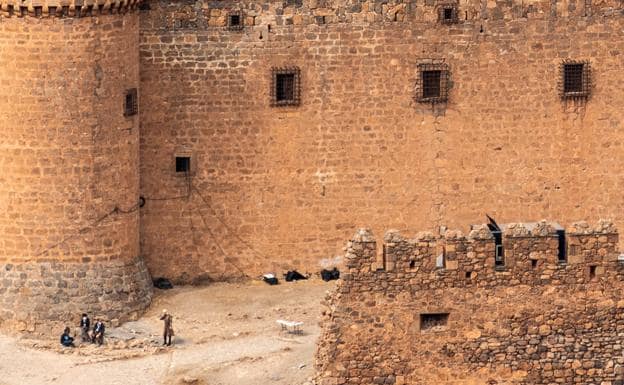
[273, 188]
[37, 296]
[237, 183]
[440, 310]
[69, 186]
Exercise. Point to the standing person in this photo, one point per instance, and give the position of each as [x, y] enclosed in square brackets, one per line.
[168, 327]
[98, 332]
[66, 339]
[85, 325]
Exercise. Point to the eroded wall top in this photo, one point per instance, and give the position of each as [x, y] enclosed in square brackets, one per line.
[532, 253]
[210, 13]
[65, 8]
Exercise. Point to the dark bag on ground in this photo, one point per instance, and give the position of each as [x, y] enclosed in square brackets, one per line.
[330, 275]
[294, 276]
[163, 283]
[270, 279]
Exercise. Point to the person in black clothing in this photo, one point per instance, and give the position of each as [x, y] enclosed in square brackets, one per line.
[66, 339]
[85, 325]
[98, 332]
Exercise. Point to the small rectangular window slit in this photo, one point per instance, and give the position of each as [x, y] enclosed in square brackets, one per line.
[499, 250]
[131, 106]
[434, 322]
[561, 251]
[183, 164]
[592, 272]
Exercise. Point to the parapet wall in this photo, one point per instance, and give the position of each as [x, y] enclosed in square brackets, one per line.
[403, 320]
[207, 14]
[530, 257]
[65, 8]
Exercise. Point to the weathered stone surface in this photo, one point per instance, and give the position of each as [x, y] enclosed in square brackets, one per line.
[69, 186]
[272, 189]
[294, 182]
[521, 323]
[35, 307]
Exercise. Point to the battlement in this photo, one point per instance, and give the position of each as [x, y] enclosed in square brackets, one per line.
[65, 8]
[517, 253]
[446, 13]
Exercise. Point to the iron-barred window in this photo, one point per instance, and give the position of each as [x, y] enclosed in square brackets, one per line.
[448, 14]
[575, 79]
[286, 87]
[235, 21]
[432, 84]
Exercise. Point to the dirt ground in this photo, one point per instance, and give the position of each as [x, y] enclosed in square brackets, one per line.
[226, 334]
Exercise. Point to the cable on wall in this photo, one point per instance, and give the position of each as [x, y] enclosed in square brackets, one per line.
[228, 228]
[90, 226]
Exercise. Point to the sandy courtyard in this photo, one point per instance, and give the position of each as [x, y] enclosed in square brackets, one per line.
[226, 334]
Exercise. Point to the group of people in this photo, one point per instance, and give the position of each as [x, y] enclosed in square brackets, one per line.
[97, 334]
[86, 334]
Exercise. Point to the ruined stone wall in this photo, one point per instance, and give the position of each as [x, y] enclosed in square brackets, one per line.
[69, 184]
[276, 188]
[522, 323]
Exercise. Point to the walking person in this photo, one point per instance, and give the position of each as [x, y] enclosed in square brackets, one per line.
[168, 327]
[85, 325]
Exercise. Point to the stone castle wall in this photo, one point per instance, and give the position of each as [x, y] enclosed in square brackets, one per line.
[277, 188]
[69, 184]
[40, 296]
[522, 323]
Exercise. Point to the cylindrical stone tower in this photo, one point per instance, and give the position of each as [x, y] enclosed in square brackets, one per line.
[69, 152]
